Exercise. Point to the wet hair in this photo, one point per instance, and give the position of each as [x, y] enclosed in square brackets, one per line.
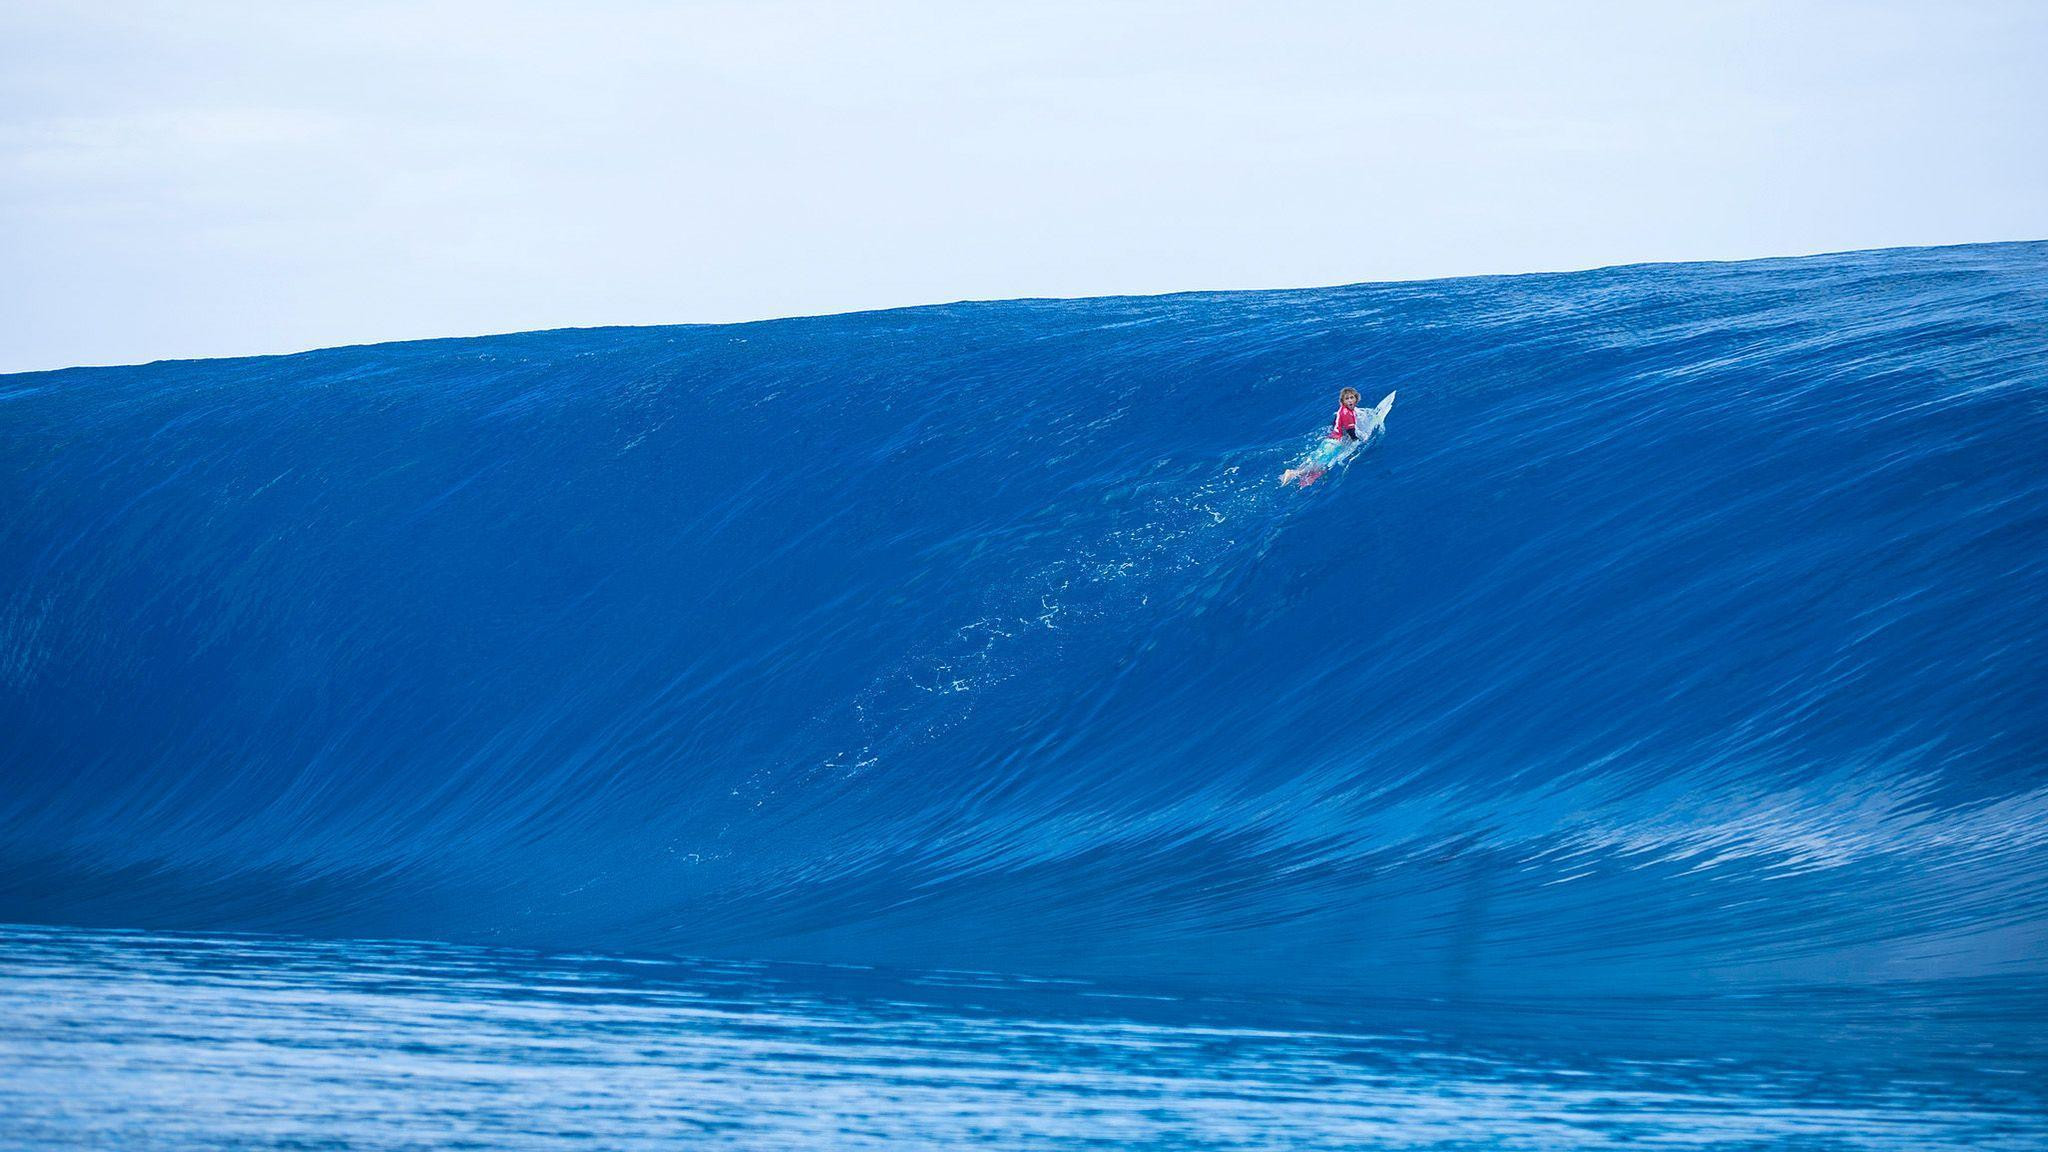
[1350, 394]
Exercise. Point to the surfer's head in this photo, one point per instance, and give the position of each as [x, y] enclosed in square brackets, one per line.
[1348, 397]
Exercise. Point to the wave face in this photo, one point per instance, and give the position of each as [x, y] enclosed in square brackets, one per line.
[1683, 633]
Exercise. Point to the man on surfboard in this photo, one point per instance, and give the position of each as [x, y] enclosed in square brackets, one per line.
[1344, 428]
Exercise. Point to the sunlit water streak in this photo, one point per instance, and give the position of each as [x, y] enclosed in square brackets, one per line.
[141, 1041]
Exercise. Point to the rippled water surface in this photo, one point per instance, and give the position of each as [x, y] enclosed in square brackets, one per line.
[129, 1040]
[1679, 642]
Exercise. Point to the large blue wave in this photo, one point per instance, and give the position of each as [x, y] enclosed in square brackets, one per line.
[1684, 631]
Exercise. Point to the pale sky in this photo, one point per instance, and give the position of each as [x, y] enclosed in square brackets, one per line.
[204, 179]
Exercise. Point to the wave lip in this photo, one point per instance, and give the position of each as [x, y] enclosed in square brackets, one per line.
[1678, 635]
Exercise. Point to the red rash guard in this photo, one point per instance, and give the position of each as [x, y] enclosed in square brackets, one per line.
[1346, 425]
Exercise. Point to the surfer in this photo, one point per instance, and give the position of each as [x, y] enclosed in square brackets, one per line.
[1344, 428]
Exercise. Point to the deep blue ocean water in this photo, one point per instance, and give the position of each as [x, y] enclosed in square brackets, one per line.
[1678, 647]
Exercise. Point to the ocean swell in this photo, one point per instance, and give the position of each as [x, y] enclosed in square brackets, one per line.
[1682, 633]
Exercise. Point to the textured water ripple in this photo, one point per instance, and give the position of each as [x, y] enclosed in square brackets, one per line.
[1681, 634]
[149, 1042]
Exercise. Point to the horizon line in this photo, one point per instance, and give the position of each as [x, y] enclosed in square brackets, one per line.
[987, 300]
